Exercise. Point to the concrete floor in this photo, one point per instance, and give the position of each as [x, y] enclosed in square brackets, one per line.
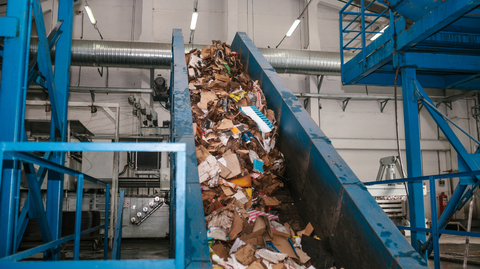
[451, 248]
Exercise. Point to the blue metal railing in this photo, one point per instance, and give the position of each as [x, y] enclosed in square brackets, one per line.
[364, 29]
[435, 230]
[20, 151]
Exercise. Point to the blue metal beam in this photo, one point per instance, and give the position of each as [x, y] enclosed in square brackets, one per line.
[62, 81]
[9, 26]
[464, 159]
[414, 156]
[12, 109]
[45, 64]
[441, 62]
[381, 50]
[117, 240]
[196, 252]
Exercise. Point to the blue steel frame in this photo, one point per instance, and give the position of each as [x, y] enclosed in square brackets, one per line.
[437, 229]
[360, 233]
[117, 240]
[17, 74]
[443, 35]
[197, 252]
[20, 151]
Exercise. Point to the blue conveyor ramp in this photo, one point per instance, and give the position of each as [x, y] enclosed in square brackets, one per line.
[326, 191]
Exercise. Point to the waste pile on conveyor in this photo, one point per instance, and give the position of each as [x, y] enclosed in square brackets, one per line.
[240, 168]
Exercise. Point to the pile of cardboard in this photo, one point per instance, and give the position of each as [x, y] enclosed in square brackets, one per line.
[239, 165]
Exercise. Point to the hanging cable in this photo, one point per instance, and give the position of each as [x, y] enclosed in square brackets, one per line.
[396, 130]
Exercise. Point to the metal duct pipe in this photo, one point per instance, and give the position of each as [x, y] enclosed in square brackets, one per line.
[159, 56]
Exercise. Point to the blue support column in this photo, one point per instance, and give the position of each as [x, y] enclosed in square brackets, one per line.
[62, 83]
[414, 156]
[12, 110]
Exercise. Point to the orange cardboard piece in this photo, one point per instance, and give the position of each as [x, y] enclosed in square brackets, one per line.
[244, 182]
[279, 266]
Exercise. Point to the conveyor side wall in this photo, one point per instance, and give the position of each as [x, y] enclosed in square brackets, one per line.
[197, 253]
[327, 192]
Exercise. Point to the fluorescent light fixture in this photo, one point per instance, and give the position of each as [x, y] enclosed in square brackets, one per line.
[193, 24]
[292, 29]
[378, 34]
[90, 15]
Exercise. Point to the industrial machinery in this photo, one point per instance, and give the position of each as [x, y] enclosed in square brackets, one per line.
[345, 213]
[421, 44]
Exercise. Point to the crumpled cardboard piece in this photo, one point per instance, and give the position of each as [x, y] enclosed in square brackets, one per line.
[232, 164]
[307, 231]
[279, 266]
[257, 265]
[245, 254]
[270, 201]
[227, 190]
[237, 227]
[302, 256]
[207, 97]
[282, 244]
[221, 250]
[225, 124]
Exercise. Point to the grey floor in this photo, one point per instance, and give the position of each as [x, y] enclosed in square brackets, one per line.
[451, 248]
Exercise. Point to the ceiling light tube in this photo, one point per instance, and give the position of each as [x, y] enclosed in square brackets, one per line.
[90, 15]
[193, 24]
[292, 29]
[378, 34]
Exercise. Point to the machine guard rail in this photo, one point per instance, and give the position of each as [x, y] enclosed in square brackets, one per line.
[364, 29]
[20, 151]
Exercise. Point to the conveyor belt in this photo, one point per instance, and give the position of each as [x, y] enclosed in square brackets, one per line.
[326, 191]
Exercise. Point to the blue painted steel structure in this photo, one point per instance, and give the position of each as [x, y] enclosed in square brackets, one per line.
[20, 151]
[433, 44]
[196, 253]
[117, 240]
[345, 213]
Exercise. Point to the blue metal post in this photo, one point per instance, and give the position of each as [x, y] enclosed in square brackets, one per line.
[117, 240]
[364, 52]
[414, 156]
[435, 235]
[78, 218]
[107, 214]
[181, 209]
[12, 110]
[62, 83]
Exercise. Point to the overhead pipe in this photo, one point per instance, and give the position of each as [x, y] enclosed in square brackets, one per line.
[145, 55]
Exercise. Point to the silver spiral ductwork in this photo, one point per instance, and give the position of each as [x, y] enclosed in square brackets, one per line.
[128, 54]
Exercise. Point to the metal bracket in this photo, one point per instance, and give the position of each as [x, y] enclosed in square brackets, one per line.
[345, 103]
[382, 105]
[109, 112]
[305, 102]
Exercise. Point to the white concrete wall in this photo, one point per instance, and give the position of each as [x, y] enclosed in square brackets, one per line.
[266, 22]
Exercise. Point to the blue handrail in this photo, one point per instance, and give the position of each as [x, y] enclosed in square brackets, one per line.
[364, 29]
[20, 151]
